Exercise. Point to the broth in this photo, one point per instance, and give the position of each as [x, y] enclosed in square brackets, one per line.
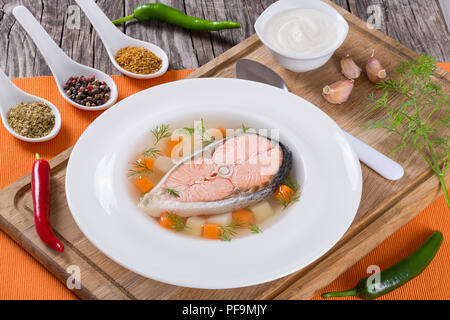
[163, 171]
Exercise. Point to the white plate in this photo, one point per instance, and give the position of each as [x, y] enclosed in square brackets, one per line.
[102, 205]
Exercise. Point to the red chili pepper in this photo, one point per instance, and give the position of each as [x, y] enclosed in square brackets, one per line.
[40, 186]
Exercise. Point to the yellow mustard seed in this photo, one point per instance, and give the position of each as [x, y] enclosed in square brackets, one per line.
[138, 60]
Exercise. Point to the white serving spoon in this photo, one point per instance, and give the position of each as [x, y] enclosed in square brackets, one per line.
[10, 96]
[113, 39]
[60, 64]
[384, 166]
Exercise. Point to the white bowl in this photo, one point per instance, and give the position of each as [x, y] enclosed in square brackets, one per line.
[307, 62]
[100, 197]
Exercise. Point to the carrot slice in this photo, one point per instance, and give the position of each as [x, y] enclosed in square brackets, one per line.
[245, 217]
[144, 184]
[147, 164]
[284, 194]
[211, 231]
[165, 222]
[170, 145]
[223, 131]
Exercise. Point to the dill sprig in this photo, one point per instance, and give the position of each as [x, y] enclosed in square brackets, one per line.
[226, 233]
[176, 222]
[202, 133]
[189, 130]
[203, 127]
[291, 183]
[244, 128]
[151, 153]
[286, 198]
[173, 192]
[139, 168]
[208, 140]
[254, 228]
[421, 118]
[161, 132]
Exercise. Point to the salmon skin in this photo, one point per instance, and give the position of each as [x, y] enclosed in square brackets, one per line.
[233, 173]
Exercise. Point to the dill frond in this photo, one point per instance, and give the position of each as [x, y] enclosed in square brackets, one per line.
[161, 132]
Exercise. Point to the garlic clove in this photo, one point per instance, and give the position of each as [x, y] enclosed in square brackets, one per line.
[375, 71]
[349, 68]
[338, 92]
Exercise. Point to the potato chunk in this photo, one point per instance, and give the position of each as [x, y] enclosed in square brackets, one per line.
[194, 226]
[220, 219]
[262, 211]
[163, 164]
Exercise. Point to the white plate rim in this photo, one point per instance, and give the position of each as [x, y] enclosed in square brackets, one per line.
[242, 83]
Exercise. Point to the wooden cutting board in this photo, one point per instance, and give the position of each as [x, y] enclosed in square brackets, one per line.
[385, 205]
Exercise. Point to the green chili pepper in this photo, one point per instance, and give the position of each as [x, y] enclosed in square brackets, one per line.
[397, 275]
[171, 15]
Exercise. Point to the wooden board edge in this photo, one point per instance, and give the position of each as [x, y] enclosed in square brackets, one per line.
[46, 257]
[11, 193]
[240, 49]
[228, 56]
[41, 256]
[26, 238]
[355, 229]
[15, 187]
[365, 241]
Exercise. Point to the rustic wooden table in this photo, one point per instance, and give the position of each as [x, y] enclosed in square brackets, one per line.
[417, 24]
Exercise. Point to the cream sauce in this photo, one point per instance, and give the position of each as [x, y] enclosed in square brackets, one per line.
[302, 31]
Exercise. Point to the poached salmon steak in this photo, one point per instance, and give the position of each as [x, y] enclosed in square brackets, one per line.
[229, 174]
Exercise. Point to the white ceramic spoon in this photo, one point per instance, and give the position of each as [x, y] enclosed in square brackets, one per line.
[10, 96]
[114, 39]
[60, 64]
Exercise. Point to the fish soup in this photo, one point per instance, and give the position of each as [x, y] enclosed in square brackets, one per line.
[213, 181]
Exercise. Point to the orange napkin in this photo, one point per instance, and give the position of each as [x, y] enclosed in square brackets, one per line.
[22, 277]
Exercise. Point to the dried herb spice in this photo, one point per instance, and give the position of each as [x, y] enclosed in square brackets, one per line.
[87, 91]
[31, 120]
[138, 60]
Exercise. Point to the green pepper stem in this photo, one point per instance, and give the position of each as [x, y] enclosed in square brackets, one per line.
[124, 19]
[38, 156]
[346, 293]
